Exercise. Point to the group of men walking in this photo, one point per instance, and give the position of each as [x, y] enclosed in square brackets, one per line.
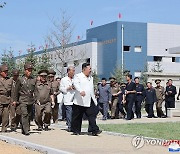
[127, 99]
[23, 97]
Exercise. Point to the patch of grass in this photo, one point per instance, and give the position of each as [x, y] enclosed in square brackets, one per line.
[169, 130]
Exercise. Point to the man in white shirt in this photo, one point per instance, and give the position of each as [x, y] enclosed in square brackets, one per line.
[67, 88]
[84, 102]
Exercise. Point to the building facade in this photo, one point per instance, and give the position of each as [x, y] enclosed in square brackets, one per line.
[144, 45]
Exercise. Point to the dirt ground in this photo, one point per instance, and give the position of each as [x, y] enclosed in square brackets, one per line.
[14, 149]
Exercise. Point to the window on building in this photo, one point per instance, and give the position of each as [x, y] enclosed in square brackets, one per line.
[88, 60]
[65, 65]
[127, 48]
[173, 59]
[157, 58]
[138, 49]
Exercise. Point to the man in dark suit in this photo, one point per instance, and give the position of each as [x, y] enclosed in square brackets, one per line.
[170, 95]
[130, 96]
[150, 99]
[139, 97]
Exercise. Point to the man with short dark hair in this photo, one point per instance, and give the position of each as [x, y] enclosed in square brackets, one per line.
[150, 99]
[170, 95]
[25, 96]
[104, 93]
[160, 94]
[44, 100]
[139, 97]
[15, 111]
[84, 102]
[130, 96]
[5, 93]
[56, 92]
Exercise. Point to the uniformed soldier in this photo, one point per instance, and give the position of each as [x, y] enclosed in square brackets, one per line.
[44, 97]
[55, 87]
[15, 112]
[115, 91]
[139, 97]
[25, 96]
[170, 95]
[160, 94]
[5, 93]
[150, 99]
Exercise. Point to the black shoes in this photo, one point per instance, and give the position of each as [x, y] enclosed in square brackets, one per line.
[26, 134]
[75, 133]
[46, 128]
[96, 133]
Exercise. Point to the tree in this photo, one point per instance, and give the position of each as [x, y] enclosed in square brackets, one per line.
[95, 79]
[144, 76]
[117, 73]
[38, 62]
[59, 39]
[8, 58]
[2, 4]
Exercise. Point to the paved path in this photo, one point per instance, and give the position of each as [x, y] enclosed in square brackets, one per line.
[58, 138]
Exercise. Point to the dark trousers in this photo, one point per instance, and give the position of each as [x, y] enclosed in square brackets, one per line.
[149, 110]
[138, 108]
[55, 112]
[103, 108]
[77, 116]
[68, 115]
[129, 109]
[15, 115]
[169, 104]
[26, 111]
[43, 114]
[121, 108]
[4, 116]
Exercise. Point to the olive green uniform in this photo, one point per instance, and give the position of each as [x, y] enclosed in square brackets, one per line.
[114, 101]
[15, 112]
[5, 92]
[25, 92]
[160, 94]
[55, 88]
[43, 91]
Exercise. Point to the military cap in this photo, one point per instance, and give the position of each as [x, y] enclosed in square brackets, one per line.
[15, 72]
[28, 66]
[157, 81]
[3, 68]
[112, 79]
[123, 84]
[51, 72]
[43, 72]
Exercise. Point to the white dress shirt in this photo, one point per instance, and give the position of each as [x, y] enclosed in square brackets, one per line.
[84, 83]
[68, 95]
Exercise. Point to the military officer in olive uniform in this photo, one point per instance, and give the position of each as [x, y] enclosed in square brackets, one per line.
[15, 112]
[25, 96]
[5, 93]
[160, 94]
[44, 97]
[55, 87]
[115, 91]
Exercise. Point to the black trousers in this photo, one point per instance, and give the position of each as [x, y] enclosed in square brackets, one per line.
[138, 108]
[129, 109]
[149, 110]
[169, 104]
[77, 115]
[121, 108]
